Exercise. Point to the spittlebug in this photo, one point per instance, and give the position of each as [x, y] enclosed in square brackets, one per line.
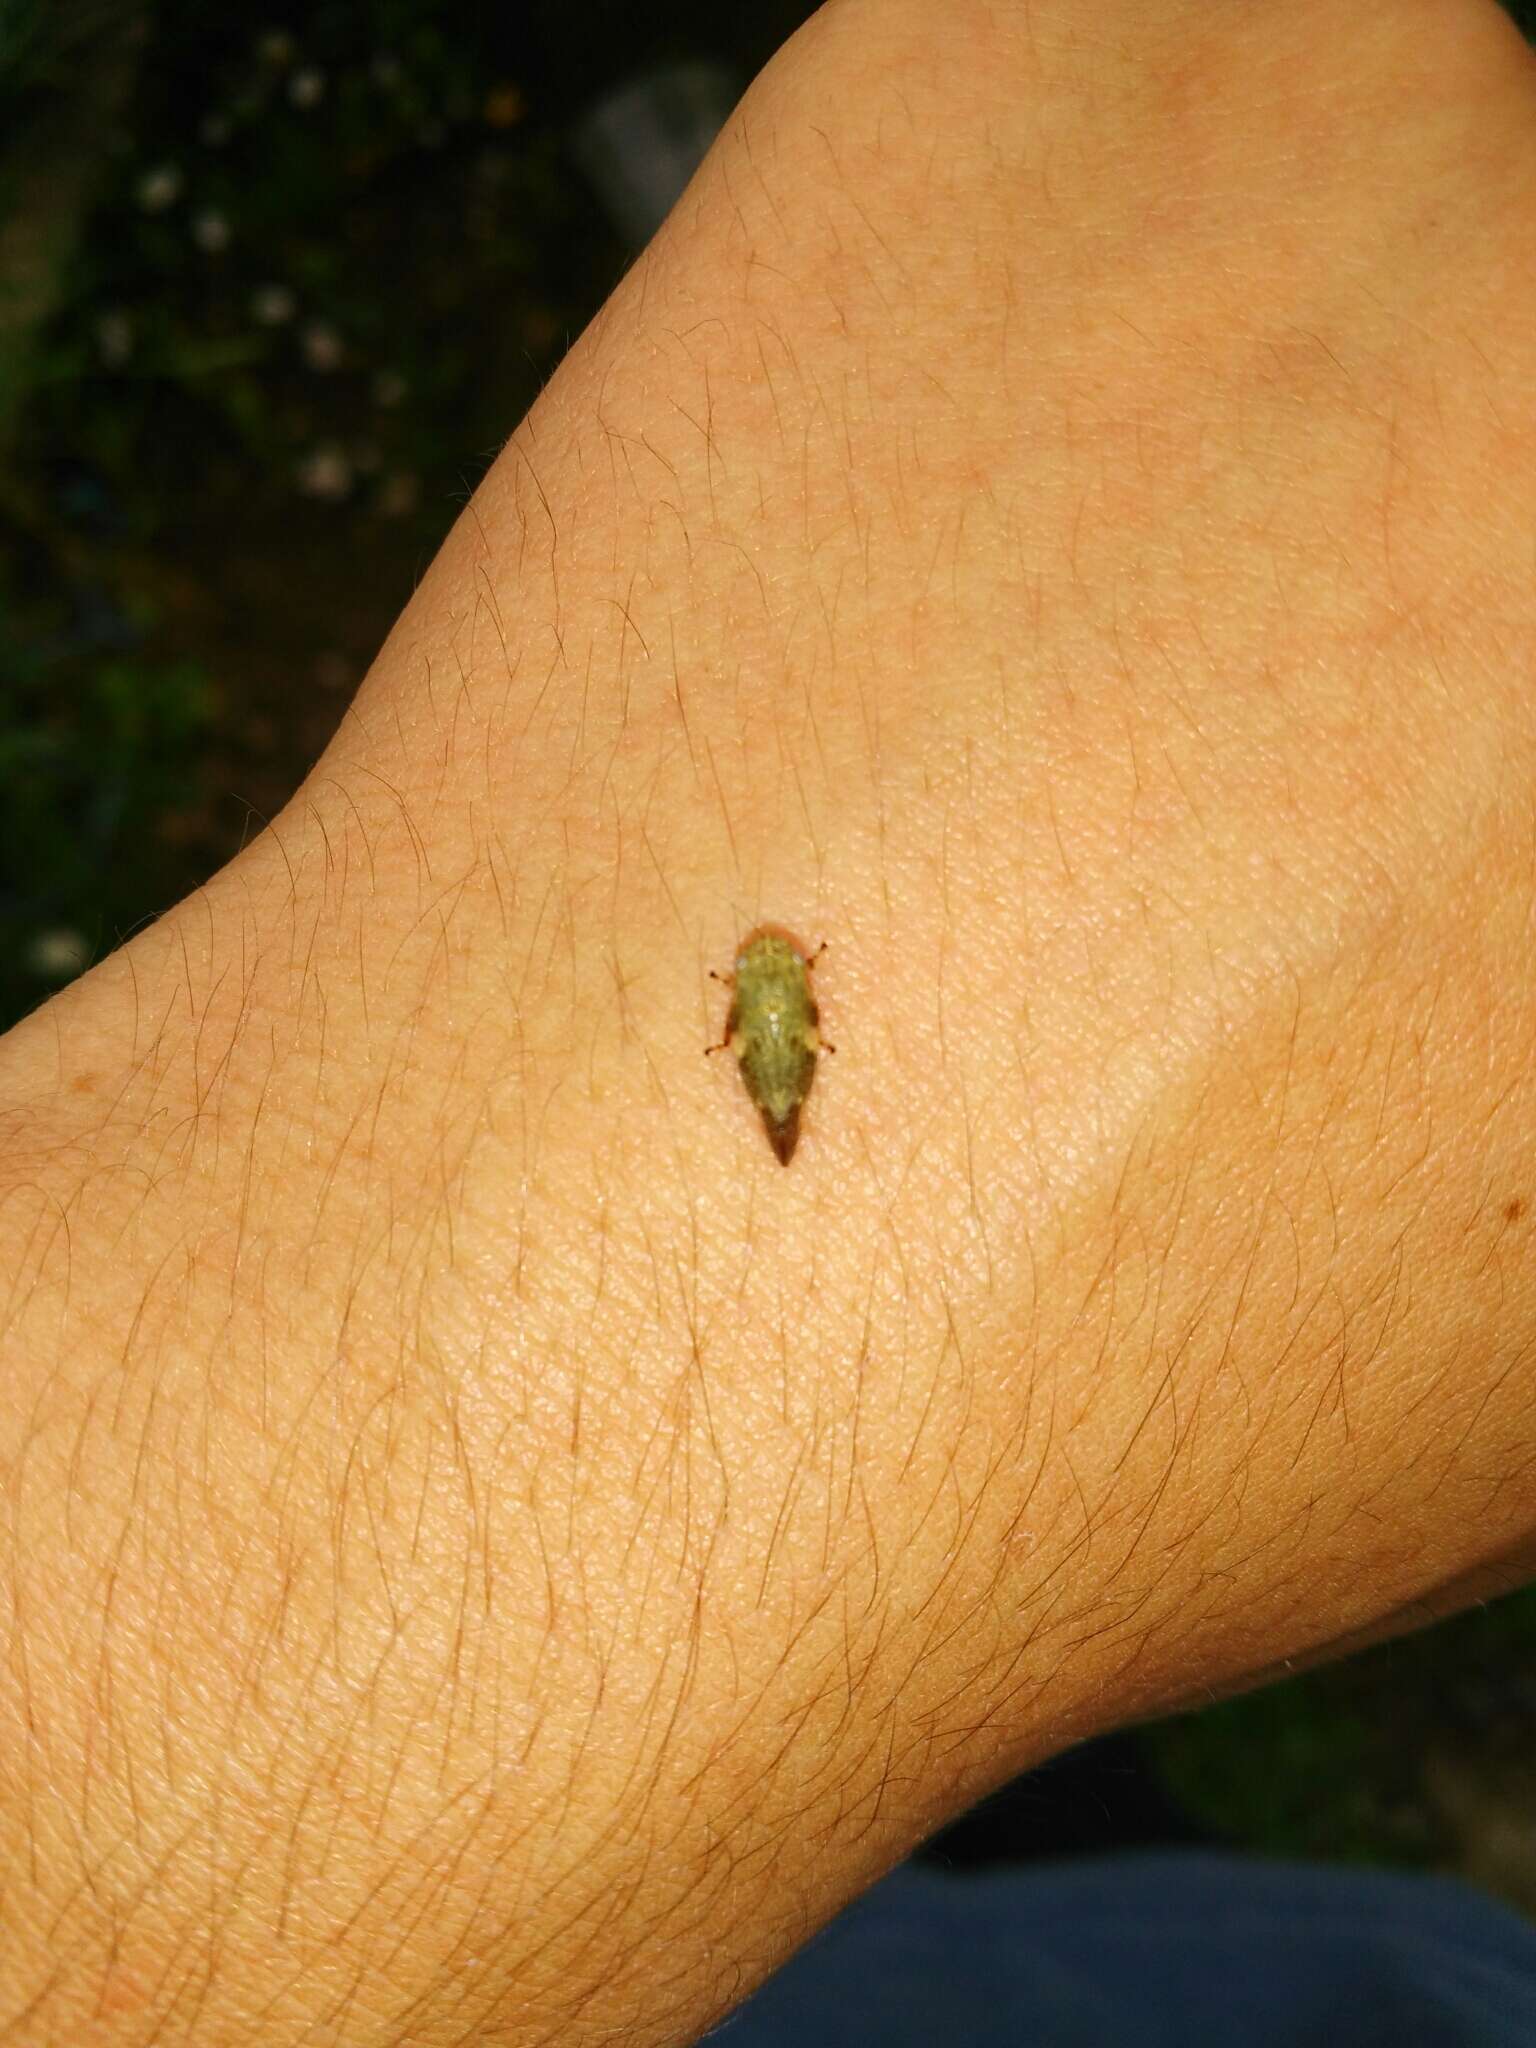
[773, 1029]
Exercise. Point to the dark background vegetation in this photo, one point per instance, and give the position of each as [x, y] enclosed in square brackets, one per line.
[273, 289]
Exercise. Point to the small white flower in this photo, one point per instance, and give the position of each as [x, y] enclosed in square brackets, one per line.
[210, 231]
[58, 953]
[389, 387]
[114, 337]
[323, 347]
[275, 48]
[325, 473]
[306, 88]
[399, 494]
[333, 671]
[160, 188]
[272, 305]
[505, 105]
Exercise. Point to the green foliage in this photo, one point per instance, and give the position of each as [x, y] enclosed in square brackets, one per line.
[1330, 1764]
[23, 46]
[349, 239]
[95, 755]
[325, 267]
[1295, 1770]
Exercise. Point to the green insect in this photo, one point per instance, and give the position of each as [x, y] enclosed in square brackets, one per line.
[774, 1030]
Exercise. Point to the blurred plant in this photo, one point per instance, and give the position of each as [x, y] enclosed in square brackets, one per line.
[24, 55]
[318, 267]
[98, 747]
[1338, 1763]
[341, 196]
[65, 71]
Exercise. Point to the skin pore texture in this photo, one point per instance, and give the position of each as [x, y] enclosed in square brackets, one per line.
[489, 1555]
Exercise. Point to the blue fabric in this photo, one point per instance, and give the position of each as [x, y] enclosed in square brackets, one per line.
[1171, 1949]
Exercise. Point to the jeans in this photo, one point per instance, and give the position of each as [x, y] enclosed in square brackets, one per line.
[1164, 1949]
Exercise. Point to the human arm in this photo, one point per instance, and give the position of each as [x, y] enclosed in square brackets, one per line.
[488, 1554]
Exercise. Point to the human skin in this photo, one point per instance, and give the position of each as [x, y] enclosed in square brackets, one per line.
[490, 1555]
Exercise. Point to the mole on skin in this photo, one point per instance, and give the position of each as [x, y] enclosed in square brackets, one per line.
[773, 1029]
